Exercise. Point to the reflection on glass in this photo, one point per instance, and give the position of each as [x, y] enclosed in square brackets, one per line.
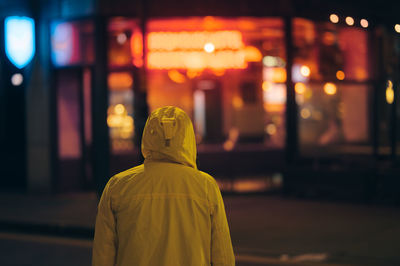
[330, 73]
[120, 112]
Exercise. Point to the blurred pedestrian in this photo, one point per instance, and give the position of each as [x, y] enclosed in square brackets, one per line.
[164, 211]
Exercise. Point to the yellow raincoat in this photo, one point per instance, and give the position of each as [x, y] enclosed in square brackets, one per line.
[165, 211]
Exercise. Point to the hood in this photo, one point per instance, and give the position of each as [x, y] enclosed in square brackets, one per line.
[169, 136]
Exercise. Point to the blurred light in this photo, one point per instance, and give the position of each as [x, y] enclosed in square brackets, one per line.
[274, 74]
[300, 87]
[270, 61]
[199, 113]
[340, 75]
[121, 38]
[137, 47]
[186, 40]
[252, 54]
[64, 44]
[364, 23]
[349, 21]
[209, 47]
[17, 79]
[191, 73]
[305, 71]
[237, 102]
[176, 77]
[275, 95]
[334, 18]
[196, 50]
[196, 60]
[397, 28]
[389, 92]
[328, 38]
[228, 145]
[270, 129]
[119, 109]
[19, 40]
[120, 81]
[219, 72]
[330, 88]
[233, 136]
[273, 61]
[297, 75]
[266, 85]
[305, 113]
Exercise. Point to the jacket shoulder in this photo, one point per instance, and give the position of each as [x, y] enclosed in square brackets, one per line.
[126, 175]
[210, 180]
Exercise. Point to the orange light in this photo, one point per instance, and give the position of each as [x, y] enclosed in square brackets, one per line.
[175, 76]
[364, 23]
[330, 88]
[389, 92]
[300, 87]
[270, 129]
[120, 81]
[196, 60]
[266, 86]
[305, 71]
[252, 54]
[274, 74]
[350, 21]
[196, 50]
[186, 40]
[340, 75]
[305, 113]
[137, 47]
[119, 109]
[334, 18]
[237, 102]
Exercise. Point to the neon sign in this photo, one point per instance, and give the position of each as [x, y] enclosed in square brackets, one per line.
[19, 40]
[191, 50]
[64, 44]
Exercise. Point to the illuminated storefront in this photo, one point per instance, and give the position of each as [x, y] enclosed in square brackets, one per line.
[230, 76]
[266, 85]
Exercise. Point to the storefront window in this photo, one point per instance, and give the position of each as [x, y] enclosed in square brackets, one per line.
[220, 72]
[120, 80]
[333, 95]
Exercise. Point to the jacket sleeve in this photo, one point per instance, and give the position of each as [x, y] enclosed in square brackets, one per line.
[221, 245]
[105, 239]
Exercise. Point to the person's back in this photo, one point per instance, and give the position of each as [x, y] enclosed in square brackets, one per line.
[165, 211]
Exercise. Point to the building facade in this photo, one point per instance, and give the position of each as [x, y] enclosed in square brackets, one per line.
[269, 87]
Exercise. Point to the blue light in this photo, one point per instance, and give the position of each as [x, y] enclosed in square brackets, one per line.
[20, 40]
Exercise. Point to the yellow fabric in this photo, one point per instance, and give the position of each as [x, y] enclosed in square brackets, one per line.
[165, 211]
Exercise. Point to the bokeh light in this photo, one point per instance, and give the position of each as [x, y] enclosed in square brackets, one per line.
[17, 79]
[209, 47]
[305, 71]
[397, 28]
[300, 87]
[350, 21]
[334, 18]
[340, 75]
[364, 23]
[330, 88]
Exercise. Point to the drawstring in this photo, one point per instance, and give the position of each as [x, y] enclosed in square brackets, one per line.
[168, 124]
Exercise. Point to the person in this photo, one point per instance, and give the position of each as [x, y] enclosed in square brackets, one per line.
[164, 211]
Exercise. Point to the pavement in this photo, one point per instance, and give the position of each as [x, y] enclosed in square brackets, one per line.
[265, 230]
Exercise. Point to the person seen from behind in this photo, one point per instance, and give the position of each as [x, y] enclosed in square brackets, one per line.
[164, 211]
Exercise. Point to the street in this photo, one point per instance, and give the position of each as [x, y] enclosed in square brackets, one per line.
[265, 230]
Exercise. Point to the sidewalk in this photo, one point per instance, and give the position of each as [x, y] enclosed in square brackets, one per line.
[265, 230]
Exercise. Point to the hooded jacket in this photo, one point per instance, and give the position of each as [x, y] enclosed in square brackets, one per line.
[165, 211]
